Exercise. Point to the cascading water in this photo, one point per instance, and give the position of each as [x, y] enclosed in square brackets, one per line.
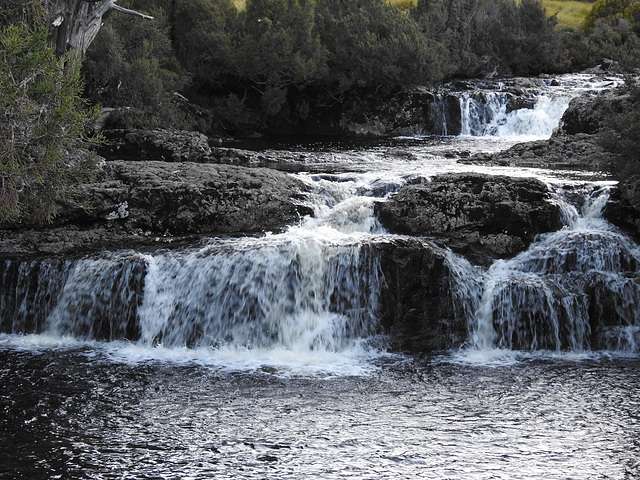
[315, 287]
[302, 294]
[261, 357]
[489, 114]
[504, 109]
[573, 290]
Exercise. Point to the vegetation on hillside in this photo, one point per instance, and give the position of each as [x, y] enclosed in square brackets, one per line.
[568, 13]
[274, 61]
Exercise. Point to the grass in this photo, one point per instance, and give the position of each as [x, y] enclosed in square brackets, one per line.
[570, 13]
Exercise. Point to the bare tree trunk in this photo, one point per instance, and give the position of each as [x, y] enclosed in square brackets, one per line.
[75, 23]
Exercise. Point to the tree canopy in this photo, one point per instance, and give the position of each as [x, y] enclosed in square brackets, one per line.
[43, 126]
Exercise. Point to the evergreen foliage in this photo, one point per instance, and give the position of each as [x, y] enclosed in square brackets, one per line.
[371, 43]
[280, 50]
[131, 64]
[43, 125]
[516, 37]
[610, 34]
[274, 61]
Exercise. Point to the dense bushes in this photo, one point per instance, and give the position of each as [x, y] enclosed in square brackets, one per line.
[281, 58]
[610, 34]
[373, 44]
[498, 36]
[133, 66]
[43, 124]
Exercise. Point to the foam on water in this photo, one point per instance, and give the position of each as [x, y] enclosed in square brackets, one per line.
[306, 299]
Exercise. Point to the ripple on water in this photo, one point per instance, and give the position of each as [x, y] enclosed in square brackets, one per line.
[83, 416]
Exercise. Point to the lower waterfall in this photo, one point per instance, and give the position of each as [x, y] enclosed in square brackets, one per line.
[574, 290]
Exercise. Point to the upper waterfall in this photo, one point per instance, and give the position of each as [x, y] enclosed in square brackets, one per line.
[510, 108]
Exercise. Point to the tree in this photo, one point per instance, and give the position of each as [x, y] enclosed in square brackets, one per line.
[372, 44]
[131, 64]
[43, 125]
[280, 50]
[74, 24]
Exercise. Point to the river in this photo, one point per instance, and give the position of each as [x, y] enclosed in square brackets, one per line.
[308, 388]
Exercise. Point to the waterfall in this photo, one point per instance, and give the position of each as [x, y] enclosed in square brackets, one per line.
[492, 114]
[508, 108]
[315, 288]
[300, 293]
[573, 290]
[303, 294]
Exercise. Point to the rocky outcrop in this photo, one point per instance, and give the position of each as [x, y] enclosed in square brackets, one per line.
[476, 215]
[586, 113]
[623, 209]
[577, 152]
[417, 308]
[138, 201]
[157, 144]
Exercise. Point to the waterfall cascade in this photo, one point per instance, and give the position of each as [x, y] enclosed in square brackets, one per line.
[315, 288]
[573, 290]
[304, 294]
[507, 110]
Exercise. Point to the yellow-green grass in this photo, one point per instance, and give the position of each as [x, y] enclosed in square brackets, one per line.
[570, 13]
[403, 4]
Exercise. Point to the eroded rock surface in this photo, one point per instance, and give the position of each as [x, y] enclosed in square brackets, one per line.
[135, 201]
[474, 214]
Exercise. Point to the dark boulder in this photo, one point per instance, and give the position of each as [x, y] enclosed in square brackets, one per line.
[195, 198]
[623, 209]
[476, 215]
[576, 152]
[417, 308]
[586, 113]
[156, 144]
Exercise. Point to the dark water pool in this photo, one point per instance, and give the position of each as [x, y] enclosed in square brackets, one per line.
[73, 414]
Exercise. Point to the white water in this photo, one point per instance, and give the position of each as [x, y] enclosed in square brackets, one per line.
[552, 295]
[306, 299]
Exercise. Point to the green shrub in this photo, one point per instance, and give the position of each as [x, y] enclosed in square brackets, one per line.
[371, 43]
[280, 50]
[515, 37]
[205, 34]
[131, 65]
[43, 125]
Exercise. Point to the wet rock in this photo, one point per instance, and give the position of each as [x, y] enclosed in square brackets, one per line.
[623, 209]
[474, 214]
[417, 308]
[576, 152]
[156, 144]
[399, 113]
[139, 201]
[586, 113]
[190, 198]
